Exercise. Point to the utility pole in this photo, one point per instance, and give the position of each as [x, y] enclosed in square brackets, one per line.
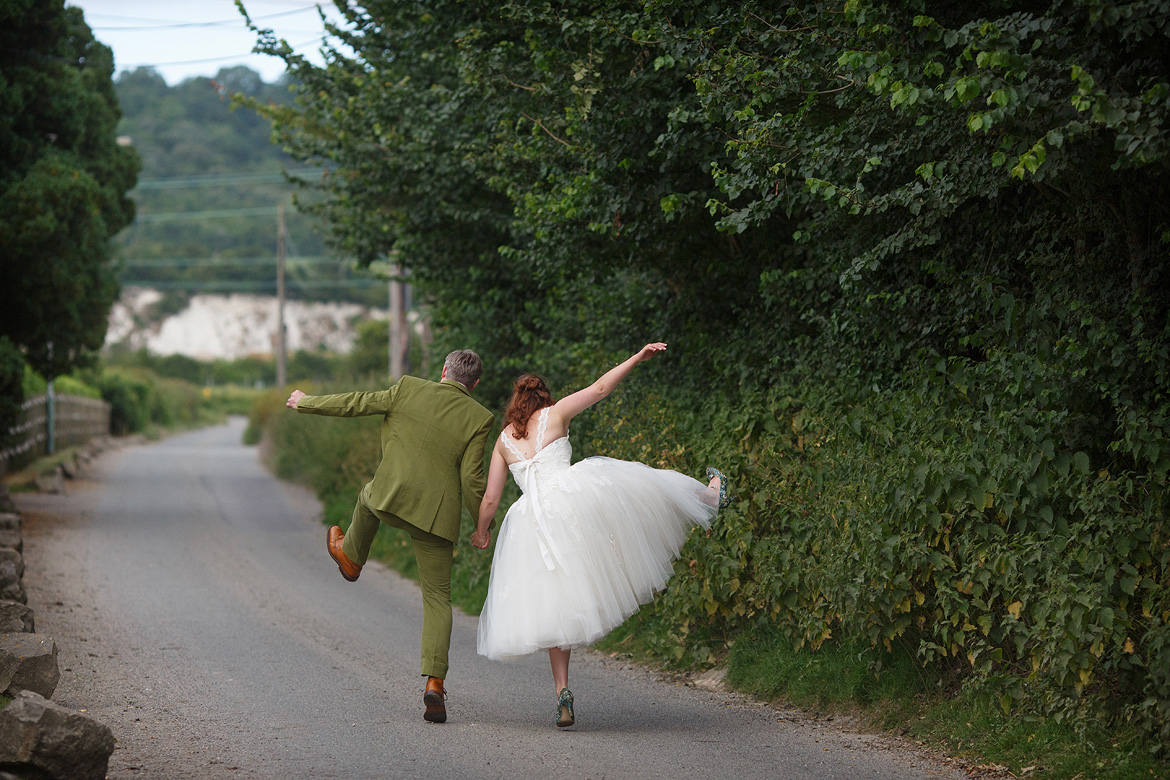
[407, 305]
[397, 318]
[281, 350]
[51, 413]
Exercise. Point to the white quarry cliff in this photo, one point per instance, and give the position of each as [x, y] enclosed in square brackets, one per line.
[233, 326]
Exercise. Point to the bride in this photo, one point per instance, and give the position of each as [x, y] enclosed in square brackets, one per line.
[586, 544]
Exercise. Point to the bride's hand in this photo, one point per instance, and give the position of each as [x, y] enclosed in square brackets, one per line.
[650, 350]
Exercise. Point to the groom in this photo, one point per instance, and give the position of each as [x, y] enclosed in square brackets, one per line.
[433, 437]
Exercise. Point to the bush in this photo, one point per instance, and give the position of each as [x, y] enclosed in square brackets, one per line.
[139, 399]
[333, 456]
[11, 387]
[71, 385]
[129, 402]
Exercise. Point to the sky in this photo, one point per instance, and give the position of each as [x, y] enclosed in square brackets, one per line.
[182, 39]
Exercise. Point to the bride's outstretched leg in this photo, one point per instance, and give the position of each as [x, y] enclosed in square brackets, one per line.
[710, 496]
[718, 487]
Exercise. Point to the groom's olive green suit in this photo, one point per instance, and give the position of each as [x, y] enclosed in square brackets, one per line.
[433, 438]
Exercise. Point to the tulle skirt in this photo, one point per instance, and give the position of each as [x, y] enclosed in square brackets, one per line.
[577, 556]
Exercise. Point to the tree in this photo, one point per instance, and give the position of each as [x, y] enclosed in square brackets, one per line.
[63, 184]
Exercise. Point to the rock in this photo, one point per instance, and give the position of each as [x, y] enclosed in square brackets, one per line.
[69, 468]
[11, 570]
[10, 520]
[15, 617]
[51, 481]
[28, 662]
[13, 557]
[6, 504]
[711, 680]
[41, 739]
[95, 447]
[10, 539]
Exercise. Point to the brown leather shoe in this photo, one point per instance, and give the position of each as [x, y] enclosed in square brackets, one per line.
[348, 568]
[435, 699]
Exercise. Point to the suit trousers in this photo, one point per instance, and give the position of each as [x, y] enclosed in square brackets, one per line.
[434, 555]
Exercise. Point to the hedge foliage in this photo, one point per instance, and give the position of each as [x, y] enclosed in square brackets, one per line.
[911, 260]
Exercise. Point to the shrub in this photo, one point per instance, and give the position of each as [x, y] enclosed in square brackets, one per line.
[11, 386]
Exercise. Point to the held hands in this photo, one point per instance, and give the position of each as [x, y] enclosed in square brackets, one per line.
[296, 396]
[481, 539]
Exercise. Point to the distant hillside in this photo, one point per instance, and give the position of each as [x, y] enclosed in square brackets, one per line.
[208, 190]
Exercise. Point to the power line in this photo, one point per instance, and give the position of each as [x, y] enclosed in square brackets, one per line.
[217, 179]
[220, 286]
[220, 213]
[213, 59]
[168, 25]
[223, 262]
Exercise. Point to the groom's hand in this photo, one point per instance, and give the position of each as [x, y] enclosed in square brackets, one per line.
[296, 396]
[482, 541]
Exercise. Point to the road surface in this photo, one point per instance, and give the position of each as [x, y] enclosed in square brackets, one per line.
[199, 616]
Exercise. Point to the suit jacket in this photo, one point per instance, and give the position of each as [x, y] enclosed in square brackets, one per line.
[433, 438]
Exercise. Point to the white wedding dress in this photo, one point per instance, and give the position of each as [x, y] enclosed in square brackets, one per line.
[583, 547]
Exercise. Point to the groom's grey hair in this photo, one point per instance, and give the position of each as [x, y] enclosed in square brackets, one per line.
[464, 366]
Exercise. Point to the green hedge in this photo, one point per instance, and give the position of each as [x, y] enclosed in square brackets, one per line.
[142, 401]
[950, 518]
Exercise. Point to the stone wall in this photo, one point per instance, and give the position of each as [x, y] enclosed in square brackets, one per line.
[38, 738]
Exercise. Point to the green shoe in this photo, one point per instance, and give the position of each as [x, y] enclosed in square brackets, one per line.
[724, 499]
[565, 709]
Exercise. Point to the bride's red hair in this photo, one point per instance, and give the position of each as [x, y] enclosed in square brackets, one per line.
[530, 393]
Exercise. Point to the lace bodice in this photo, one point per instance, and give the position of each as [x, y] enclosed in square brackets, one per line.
[532, 474]
[548, 459]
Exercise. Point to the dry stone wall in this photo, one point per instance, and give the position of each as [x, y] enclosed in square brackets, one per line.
[39, 738]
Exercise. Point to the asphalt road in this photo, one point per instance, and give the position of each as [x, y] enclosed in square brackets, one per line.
[199, 616]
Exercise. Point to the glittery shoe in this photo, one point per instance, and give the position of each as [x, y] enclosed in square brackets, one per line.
[724, 498]
[565, 709]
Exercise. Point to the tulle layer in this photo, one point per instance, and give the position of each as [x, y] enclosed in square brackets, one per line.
[582, 549]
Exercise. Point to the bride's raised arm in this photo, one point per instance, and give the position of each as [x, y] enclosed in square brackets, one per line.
[571, 405]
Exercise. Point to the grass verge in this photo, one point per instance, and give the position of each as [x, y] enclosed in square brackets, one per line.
[23, 479]
[921, 704]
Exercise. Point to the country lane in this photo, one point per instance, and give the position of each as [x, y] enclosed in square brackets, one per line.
[199, 616]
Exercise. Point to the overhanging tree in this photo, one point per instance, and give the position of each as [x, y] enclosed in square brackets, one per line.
[63, 184]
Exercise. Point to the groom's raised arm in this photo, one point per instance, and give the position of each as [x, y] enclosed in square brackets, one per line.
[356, 404]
